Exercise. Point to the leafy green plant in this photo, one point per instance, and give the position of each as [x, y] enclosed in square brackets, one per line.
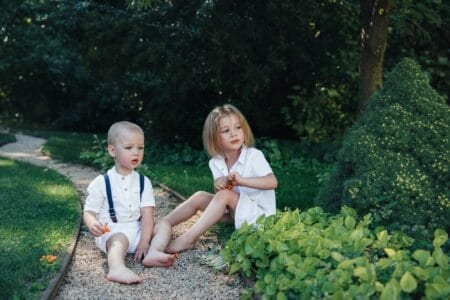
[395, 161]
[98, 156]
[313, 255]
[6, 138]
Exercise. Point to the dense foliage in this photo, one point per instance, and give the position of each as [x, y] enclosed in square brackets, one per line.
[312, 255]
[395, 161]
[84, 64]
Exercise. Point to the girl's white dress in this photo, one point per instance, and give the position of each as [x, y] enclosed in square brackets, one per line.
[252, 202]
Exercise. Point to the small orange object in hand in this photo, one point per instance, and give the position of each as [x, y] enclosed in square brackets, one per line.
[229, 185]
[105, 228]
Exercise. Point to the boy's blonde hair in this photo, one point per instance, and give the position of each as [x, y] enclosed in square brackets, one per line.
[118, 128]
[211, 129]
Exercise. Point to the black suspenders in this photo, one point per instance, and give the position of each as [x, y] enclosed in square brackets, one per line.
[112, 212]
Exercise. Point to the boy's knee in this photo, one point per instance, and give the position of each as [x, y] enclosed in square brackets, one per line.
[117, 240]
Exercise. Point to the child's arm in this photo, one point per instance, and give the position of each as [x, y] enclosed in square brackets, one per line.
[268, 182]
[92, 223]
[147, 222]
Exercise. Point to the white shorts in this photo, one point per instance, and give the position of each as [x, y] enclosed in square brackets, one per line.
[247, 210]
[132, 231]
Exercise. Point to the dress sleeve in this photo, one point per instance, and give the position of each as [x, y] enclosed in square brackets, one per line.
[216, 173]
[260, 165]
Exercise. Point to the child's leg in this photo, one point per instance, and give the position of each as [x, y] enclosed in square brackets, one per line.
[156, 257]
[117, 246]
[198, 201]
[213, 213]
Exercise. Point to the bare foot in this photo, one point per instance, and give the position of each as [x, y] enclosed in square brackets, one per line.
[180, 244]
[159, 259]
[123, 275]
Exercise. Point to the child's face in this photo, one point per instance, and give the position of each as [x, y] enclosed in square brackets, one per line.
[128, 151]
[231, 133]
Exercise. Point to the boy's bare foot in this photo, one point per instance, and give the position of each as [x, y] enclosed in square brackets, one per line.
[123, 275]
[159, 259]
[180, 244]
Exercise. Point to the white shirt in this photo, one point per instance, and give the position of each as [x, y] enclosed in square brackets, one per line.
[125, 192]
[251, 163]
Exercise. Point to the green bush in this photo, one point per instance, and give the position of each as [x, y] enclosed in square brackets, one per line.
[313, 255]
[6, 138]
[394, 162]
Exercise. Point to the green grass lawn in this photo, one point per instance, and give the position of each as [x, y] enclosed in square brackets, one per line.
[39, 214]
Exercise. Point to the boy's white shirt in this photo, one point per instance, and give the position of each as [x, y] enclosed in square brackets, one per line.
[125, 192]
[251, 163]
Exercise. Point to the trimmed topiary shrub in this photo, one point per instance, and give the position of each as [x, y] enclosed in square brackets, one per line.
[394, 162]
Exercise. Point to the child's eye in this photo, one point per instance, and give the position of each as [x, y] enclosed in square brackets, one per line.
[225, 130]
[128, 147]
[141, 148]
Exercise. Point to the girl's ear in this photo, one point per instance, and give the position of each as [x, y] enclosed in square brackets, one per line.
[111, 150]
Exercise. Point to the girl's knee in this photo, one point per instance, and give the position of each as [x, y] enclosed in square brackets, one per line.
[162, 224]
[225, 194]
[200, 195]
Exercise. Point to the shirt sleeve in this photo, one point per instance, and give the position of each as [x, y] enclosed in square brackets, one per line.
[96, 196]
[214, 169]
[148, 197]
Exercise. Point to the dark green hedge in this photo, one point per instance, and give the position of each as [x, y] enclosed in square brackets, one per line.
[395, 160]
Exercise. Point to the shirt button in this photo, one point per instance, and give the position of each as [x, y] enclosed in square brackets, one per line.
[126, 189]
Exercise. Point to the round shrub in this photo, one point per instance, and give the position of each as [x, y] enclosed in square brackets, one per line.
[394, 162]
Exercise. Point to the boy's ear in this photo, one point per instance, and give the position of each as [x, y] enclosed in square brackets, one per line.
[111, 150]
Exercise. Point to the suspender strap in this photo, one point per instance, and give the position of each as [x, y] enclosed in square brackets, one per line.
[112, 212]
[141, 182]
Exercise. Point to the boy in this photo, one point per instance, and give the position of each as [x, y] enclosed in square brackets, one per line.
[124, 224]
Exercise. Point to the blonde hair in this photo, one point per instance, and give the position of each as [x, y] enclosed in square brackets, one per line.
[119, 128]
[211, 129]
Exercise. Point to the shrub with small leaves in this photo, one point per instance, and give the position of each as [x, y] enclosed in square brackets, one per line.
[314, 255]
[394, 162]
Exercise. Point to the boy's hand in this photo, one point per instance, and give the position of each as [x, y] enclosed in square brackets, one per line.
[141, 251]
[97, 229]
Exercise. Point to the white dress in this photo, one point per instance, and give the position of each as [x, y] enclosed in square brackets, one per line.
[252, 202]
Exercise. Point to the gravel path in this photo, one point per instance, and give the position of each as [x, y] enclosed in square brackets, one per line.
[85, 279]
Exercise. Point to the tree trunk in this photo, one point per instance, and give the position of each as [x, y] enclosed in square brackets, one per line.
[374, 28]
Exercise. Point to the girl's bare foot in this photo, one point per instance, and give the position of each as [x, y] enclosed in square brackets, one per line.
[123, 275]
[159, 259]
[180, 244]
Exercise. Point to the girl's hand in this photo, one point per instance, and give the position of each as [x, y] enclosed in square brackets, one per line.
[234, 179]
[220, 183]
[141, 251]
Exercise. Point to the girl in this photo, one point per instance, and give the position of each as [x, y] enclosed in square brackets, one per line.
[243, 179]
